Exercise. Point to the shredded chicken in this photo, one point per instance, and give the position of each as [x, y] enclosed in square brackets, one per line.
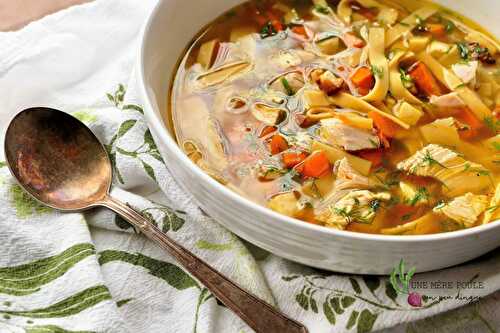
[466, 71]
[465, 209]
[357, 206]
[348, 137]
[451, 100]
[458, 175]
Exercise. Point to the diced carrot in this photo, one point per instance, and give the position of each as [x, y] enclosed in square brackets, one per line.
[278, 144]
[292, 159]
[373, 155]
[315, 166]
[363, 79]
[277, 25]
[300, 30]
[425, 81]
[352, 41]
[436, 29]
[369, 13]
[386, 127]
[474, 125]
[267, 130]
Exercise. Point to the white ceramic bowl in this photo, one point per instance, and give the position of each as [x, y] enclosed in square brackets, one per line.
[170, 28]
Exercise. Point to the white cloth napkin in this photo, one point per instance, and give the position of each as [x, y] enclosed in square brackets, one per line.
[91, 272]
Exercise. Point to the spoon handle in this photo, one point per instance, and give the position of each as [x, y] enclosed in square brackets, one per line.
[259, 315]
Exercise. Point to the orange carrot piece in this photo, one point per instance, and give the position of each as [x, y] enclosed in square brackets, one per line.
[267, 130]
[352, 41]
[292, 159]
[277, 25]
[278, 144]
[373, 155]
[386, 127]
[425, 81]
[436, 29]
[300, 30]
[363, 79]
[369, 13]
[315, 166]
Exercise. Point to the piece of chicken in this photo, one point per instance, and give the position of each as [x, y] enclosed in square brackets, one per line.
[448, 101]
[357, 206]
[466, 71]
[465, 209]
[335, 132]
[458, 175]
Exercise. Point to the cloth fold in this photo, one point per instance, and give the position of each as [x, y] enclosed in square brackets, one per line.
[93, 273]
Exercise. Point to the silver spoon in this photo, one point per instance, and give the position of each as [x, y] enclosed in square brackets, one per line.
[61, 163]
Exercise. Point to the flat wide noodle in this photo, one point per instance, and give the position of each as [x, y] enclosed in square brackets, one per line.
[408, 24]
[452, 82]
[396, 86]
[380, 65]
[348, 101]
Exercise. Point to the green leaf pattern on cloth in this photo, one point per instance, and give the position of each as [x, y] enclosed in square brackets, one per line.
[24, 204]
[69, 306]
[27, 279]
[169, 273]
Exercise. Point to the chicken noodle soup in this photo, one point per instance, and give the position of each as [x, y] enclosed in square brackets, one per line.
[371, 116]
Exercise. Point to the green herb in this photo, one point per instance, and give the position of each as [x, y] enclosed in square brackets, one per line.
[479, 172]
[421, 195]
[377, 71]
[449, 26]
[464, 51]
[322, 9]
[492, 209]
[374, 143]
[441, 204]
[430, 161]
[492, 123]
[496, 145]
[406, 79]
[268, 30]
[404, 24]
[461, 86]
[286, 85]
[375, 205]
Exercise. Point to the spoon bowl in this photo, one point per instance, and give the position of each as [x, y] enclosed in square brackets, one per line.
[61, 163]
[57, 160]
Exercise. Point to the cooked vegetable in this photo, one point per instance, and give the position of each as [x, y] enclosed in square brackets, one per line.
[424, 80]
[363, 79]
[278, 144]
[315, 166]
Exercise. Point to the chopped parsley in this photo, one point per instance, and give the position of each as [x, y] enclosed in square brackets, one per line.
[463, 49]
[492, 124]
[268, 30]
[377, 71]
[322, 9]
[449, 26]
[496, 145]
[406, 79]
[421, 195]
[286, 85]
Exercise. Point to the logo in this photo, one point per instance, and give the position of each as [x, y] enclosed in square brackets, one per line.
[400, 281]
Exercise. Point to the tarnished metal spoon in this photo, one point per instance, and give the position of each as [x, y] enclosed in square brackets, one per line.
[61, 163]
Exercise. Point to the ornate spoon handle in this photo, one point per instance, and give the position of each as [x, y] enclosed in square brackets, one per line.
[259, 315]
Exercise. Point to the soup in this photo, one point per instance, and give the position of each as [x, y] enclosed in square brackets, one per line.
[370, 116]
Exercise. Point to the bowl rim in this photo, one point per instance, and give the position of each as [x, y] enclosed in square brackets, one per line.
[158, 123]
